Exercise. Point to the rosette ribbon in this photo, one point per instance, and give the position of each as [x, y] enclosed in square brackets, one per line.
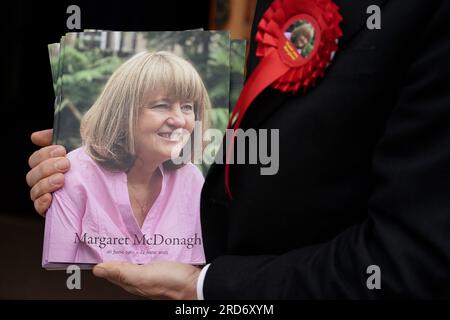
[282, 65]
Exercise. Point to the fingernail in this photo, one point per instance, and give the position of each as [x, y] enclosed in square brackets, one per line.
[57, 152]
[99, 272]
[57, 179]
[61, 164]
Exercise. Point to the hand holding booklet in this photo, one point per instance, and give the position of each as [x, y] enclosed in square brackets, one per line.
[142, 114]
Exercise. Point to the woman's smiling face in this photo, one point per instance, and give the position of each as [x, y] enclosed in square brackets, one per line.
[302, 41]
[164, 123]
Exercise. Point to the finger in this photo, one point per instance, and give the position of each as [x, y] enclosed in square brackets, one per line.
[46, 153]
[47, 185]
[42, 203]
[46, 169]
[121, 273]
[42, 138]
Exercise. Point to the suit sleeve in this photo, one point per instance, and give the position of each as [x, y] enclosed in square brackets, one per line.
[407, 230]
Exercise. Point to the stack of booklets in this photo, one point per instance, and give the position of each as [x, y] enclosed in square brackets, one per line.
[142, 116]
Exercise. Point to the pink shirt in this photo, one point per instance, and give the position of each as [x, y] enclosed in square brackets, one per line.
[91, 220]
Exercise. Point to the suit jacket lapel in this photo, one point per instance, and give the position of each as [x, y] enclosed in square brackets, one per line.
[354, 21]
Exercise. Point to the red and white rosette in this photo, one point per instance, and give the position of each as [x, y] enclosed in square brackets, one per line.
[296, 41]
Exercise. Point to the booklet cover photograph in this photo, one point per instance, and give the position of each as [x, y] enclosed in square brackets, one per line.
[139, 113]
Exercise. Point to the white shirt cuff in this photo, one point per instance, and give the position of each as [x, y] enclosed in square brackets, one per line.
[200, 280]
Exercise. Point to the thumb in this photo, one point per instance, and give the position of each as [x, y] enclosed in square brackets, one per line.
[121, 273]
[42, 138]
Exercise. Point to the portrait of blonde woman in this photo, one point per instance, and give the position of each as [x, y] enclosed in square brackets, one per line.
[302, 37]
[124, 198]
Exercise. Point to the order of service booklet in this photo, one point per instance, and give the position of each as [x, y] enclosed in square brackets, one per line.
[142, 116]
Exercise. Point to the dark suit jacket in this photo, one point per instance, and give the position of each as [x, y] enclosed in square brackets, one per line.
[364, 175]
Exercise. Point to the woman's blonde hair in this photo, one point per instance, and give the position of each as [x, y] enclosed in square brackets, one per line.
[108, 127]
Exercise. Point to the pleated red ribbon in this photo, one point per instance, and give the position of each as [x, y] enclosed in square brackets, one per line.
[282, 65]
